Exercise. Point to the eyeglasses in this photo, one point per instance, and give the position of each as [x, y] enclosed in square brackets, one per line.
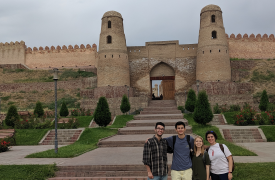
[162, 129]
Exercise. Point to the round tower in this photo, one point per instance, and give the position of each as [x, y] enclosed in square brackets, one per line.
[213, 62]
[113, 65]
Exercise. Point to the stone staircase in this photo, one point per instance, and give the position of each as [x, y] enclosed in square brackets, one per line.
[218, 119]
[244, 135]
[64, 136]
[120, 157]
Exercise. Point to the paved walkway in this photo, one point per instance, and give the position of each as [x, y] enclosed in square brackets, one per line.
[17, 155]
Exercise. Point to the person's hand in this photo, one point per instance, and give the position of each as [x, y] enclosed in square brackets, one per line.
[146, 140]
[230, 176]
[150, 175]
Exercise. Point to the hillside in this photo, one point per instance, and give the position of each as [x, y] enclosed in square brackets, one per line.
[26, 99]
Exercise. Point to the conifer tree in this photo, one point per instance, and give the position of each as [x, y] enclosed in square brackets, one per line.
[64, 110]
[203, 113]
[264, 101]
[38, 109]
[125, 104]
[102, 114]
[12, 116]
[191, 101]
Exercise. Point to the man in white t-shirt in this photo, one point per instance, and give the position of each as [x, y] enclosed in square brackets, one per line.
[221, 163]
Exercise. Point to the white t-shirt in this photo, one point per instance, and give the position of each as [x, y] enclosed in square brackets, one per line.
[219, 164]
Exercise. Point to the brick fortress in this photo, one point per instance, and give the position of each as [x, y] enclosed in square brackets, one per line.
[177, 65]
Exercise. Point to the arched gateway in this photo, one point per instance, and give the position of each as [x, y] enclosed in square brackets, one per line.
[166, 73]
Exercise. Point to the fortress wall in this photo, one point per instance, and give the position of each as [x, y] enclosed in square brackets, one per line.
[135, 52]
[43, 86]
[187, 50]
[12, 53]
[239, 69]
[168, 52]
[259, 47]
[58, 57]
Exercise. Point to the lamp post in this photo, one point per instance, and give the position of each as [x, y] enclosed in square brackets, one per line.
[55, 78]
[198, 84]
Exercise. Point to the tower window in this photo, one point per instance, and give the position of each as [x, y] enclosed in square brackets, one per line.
[210, 51]
[109, 24]
[219, 50]
[214, 34]
[202, 52]
[213, 18]
[105, 56]
[109, 39]
[119, 55]
[112, 56]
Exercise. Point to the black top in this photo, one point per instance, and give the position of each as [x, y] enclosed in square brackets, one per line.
[199, 169]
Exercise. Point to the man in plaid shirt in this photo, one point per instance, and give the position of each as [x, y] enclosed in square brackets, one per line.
[155, 154]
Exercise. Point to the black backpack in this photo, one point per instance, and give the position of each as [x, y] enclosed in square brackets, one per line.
[171, 149]
[222, 148]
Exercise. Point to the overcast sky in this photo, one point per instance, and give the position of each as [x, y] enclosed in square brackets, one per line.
[69, 22]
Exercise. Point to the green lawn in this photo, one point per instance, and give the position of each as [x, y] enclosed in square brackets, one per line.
[29, 136]
[201, 130]
[30, 172]
[269, 132]
[229, 117]
[121, 121]
[254, 171]
[84, 121]
[87, 142]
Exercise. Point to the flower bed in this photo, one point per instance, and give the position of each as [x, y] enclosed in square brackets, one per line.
[4, 145]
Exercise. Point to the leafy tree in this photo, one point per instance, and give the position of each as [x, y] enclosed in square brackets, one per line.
[39, 109]
[264, 101]
[125, 104]
[102, 114]
[203, 113]
[191, 101]
[64, 110]
[12, 116]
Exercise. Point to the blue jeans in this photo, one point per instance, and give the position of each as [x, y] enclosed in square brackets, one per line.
[158, 178]
[219, 176]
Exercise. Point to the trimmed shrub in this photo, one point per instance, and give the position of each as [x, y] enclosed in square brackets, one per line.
[191, 101]
[216, 109]
[102, 114]
[39, 109]
[181, 108]
[234, 108]
[264, 101]
[203, 113]
[125, 104]
[12, 116]
[64, 110]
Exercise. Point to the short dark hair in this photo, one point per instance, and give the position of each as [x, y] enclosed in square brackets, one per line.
[179, 123]
[159, 123]
[211, 132]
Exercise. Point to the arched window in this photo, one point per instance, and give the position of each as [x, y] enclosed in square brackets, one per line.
[214, 34]
[109, 39]
[109, 24]
[213, 18]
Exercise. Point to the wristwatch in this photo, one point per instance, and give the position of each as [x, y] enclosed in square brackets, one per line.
[230, 172]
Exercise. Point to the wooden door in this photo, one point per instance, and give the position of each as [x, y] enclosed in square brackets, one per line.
[168, 89]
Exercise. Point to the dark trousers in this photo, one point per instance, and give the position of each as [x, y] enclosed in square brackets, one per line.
[219, 176]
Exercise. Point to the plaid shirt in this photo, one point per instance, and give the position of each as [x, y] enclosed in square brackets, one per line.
[155, 156]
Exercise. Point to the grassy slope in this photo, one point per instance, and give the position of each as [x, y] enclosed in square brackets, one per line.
[87, 142]
[30, 172]
[201, 130]
[229, 117]
[84, 121]
[269, 132]
[29, 136]
[121, 121]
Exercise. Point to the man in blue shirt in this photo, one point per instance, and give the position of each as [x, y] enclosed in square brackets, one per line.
[182, 164]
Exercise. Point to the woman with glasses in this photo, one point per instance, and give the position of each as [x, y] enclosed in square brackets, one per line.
[221, 162]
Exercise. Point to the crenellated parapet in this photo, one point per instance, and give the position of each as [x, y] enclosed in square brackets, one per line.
[251, 37]
[251, 47]
[64, 48]
[12, 45]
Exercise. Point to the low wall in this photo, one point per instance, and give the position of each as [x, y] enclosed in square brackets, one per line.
[43, 86]
[114, 104]
[13, 66]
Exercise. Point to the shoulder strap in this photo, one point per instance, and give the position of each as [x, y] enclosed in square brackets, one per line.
[174, 141]
[222, 148]
[203, 158]
[188, 140]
